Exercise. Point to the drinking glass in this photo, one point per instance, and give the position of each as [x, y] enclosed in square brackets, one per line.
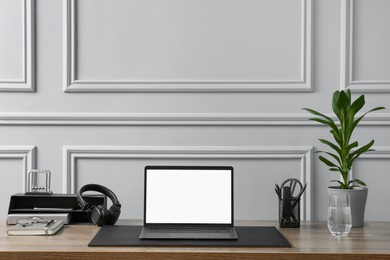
[339, 214]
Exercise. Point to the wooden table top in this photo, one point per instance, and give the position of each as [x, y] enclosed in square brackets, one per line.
[311, 240]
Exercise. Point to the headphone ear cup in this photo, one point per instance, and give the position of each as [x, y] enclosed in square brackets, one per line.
[100, 215]
[114, 212]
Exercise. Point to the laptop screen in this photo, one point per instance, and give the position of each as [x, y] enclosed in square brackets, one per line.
[188, 195]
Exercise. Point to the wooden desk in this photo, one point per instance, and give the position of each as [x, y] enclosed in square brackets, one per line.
[311, 241]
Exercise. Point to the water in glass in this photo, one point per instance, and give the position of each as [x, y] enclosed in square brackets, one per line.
[339, 214]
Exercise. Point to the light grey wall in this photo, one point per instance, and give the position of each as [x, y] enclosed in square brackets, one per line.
[94, 90]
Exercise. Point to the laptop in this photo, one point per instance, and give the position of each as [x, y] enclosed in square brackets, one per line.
[188, 202]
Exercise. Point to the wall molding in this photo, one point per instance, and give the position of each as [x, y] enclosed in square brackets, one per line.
[303, 153]
[381, 152]
[27, 83]
[28, 155]
[72, 84]
[174, 119]
[346, 75]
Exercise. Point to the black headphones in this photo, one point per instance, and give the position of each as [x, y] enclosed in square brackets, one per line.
[100, 215]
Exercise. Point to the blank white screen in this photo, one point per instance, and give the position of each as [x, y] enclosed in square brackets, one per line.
[189, 196]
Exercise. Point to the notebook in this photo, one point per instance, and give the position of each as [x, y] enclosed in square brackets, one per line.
[13, 218]
[188, 202]
[36, 229]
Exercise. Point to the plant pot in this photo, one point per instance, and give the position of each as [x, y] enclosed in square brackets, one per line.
[358, 197]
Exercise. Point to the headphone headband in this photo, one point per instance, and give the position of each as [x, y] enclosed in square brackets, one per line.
[98, 188]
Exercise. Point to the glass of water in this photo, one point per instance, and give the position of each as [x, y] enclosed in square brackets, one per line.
[339, 214]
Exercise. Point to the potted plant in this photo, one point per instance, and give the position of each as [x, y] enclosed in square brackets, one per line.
[344, 151]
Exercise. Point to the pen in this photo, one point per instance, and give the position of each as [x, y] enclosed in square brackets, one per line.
[49, 223]
[298, 197]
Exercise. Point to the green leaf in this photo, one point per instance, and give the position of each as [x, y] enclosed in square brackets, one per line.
[331, 145]
[348, 148]
[334, 169]
[342, 105]
[352, 123]
[335, 99]
[359, 151]
[350, 117]
[361, 117]
[348, 92]
[314, 112]
[328, 121]
[336, 136]
[357, 105]
[359, 182]
[327, 162]
[339, 182]
[319, 120]
[334, 156]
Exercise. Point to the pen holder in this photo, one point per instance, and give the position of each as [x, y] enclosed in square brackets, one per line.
[289, 214]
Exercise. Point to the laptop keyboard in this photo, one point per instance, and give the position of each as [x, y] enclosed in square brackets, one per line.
[190, 229]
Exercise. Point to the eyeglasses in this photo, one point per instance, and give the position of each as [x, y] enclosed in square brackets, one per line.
[24, 222]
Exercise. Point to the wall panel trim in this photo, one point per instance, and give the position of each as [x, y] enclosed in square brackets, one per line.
[28, 155]
[347, 45]
[27, 83]
[174, 119]
[381, 152]
[303, 153]
[72, 84]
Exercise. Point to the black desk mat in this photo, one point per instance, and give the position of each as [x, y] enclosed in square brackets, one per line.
[247, 237]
